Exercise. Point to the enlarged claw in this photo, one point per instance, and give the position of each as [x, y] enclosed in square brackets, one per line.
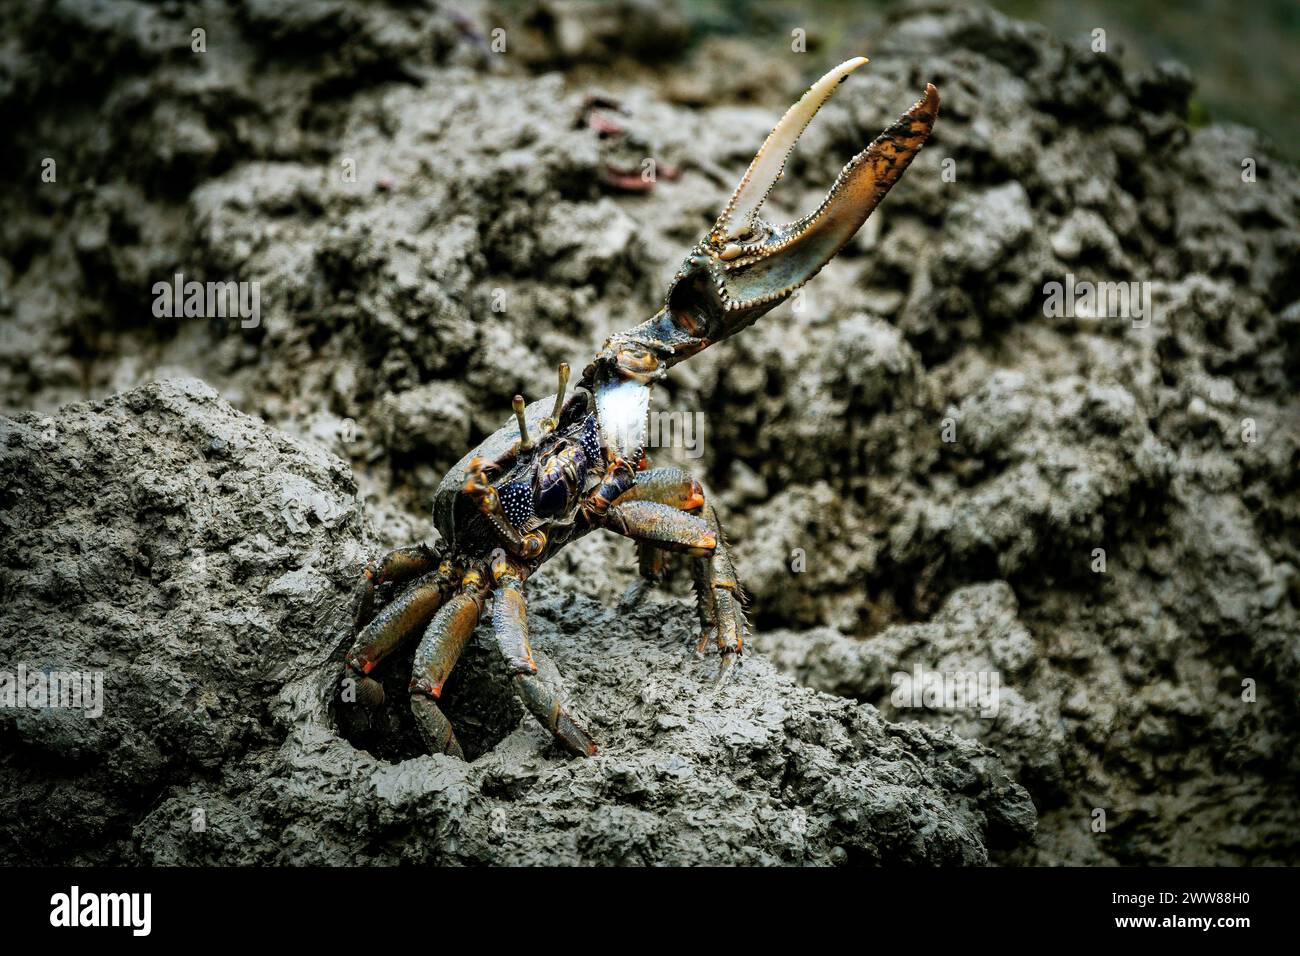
[746, 266]
[767, 263]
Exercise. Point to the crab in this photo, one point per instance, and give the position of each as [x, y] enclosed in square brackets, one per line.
[567, 467]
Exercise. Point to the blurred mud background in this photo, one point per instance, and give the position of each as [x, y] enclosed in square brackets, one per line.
[497, 224]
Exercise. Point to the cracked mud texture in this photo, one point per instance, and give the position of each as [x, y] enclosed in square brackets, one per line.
[485, 238]
[202, 561]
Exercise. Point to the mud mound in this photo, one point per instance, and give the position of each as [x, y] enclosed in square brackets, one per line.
[201, 562]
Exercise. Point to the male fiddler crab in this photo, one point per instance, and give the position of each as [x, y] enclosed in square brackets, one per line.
[565, 467]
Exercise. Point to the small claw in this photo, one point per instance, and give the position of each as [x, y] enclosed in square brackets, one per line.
[663, 526]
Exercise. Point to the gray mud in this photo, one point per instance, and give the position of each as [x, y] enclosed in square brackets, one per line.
[202, 561]
[485, 238]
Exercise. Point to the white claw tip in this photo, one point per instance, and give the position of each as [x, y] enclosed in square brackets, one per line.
[768, 164]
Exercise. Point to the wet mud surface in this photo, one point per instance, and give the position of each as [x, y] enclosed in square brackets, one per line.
[921, 466]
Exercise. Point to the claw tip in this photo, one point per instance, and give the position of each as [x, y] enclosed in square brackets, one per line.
[931, 98]
[841, 72]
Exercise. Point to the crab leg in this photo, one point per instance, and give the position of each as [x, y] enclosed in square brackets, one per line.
[668, 486]
[652, 565]
[437, 654]
[435, 728]
[403, 617]
[718, 598]
[539, 694]
[395, 567]
[651, 562]
[536, 690]
[716, 586]
[510, 623]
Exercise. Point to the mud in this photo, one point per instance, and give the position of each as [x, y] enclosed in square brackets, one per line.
[919, 467]
[203, 563]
